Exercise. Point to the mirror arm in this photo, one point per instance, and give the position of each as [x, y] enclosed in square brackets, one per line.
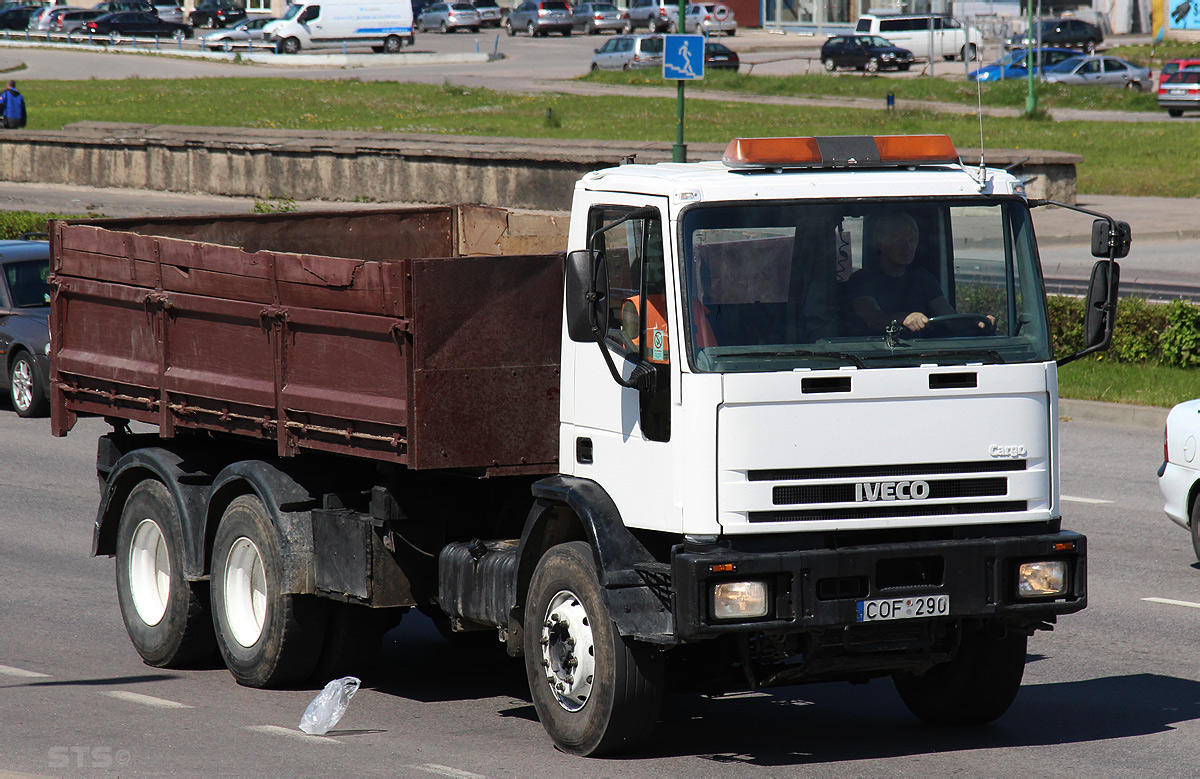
[643, 378]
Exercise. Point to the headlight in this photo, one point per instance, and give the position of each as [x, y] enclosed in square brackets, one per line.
[889, 56]
[739, 600]
[1040, 580]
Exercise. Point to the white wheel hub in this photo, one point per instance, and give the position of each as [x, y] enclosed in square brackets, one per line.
[22, 384]
[245, 588]
[149, 572]
[568, 652]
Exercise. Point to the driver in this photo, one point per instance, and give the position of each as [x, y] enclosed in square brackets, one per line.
[892, 290]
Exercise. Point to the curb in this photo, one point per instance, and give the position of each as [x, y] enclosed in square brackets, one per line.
[1148, 417]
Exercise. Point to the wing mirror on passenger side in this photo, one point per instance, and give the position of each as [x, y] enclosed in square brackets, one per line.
[1101, 312]
[1110, 242]
[586, 295]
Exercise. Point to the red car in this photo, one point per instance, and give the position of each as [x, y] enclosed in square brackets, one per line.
[1174, 66]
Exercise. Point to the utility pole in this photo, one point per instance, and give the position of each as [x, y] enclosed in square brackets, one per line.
[1030, 98]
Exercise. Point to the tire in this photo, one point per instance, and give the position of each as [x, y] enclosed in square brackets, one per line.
[974, 688]
[1195, 527]
[114, 37]
[1176, 113]
[872, 66]
[392, 44]
[26, 388]
[531, 29]
[830, 65]
[472, 29]
[443, 28]
[1133, 86]
[590, 29]
[595, 67]
[969, 52]
[672, 27]
[732, 33]
[166, 616]
[289, 46]
[903, 68]
[267, 638]
[509, 28]
[628, 28]
[567, 32]
[179, 35]
[615, 706]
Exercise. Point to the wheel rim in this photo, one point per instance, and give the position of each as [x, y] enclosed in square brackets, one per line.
[245, 592]
[22, 385]
[568, 653]
[532, 30]
[149, 572]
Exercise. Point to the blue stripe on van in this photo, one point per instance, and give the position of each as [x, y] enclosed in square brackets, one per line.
[384, 30]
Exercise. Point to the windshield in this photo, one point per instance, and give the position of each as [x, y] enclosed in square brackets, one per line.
[1066, 66]
[292, 10]
[786, 286]
[26, 282]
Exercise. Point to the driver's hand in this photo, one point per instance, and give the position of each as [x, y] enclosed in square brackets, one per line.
[915, 321]
[991, 319]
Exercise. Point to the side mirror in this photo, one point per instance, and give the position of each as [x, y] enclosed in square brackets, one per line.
[1116, 240]
[1100, 314]
[586, 293]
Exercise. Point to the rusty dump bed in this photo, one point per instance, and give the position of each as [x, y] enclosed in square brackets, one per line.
[364, 333]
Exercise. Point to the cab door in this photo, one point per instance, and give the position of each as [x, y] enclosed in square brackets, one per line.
[619, 436]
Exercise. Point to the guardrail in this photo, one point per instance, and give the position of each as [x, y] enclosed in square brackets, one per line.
[102, 39]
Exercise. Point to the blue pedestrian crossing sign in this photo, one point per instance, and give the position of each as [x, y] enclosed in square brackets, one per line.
[683, 57]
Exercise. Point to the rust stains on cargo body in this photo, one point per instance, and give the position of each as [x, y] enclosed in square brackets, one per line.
[367, 333]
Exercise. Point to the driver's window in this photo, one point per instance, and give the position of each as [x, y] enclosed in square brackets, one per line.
[310, 13]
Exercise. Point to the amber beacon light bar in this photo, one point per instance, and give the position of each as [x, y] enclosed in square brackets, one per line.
[841, 151]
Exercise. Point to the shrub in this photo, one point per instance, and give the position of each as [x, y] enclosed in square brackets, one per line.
[1159, 333]
[14, 224]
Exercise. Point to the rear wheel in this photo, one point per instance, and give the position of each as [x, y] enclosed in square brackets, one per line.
[595, 691]
[443, 28]
[25, 387]
[627, 28]
[509, 28]
[1133, 86]
[1195, 527]
[531, 29]
[969, 52]
[166, 616]
[974, 688]
[114, 38]
[267, 637]
[392, 44]
[1175, 112]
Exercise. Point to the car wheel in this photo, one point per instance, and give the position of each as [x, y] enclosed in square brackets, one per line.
[114, 38]
[1195, 517]
[392, 44]
[509, 28]
[567, 32]
[872, 66]
[829, 64]
[595, 67]
[732, 33]
[1135, 86]
[472, 29]
[179, 35]
[1176, 113]
[626, 66]
[969, 52]
[289, 45]
[903, 67]
[531, 29]
[590, 29]
[628, 27]
[672, 27]
[25, 387]
[443, 28]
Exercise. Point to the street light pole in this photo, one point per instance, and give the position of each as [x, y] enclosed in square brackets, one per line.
[679, 151]
[1030, 98]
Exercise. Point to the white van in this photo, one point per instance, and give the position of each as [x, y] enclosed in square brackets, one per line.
[384, 26]
[912, 31]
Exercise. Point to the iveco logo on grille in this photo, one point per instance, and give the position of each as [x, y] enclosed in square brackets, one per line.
[870, 491]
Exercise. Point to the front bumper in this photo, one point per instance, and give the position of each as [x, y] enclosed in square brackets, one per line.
[821, 588]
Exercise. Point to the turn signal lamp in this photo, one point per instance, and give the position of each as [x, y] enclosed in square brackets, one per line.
[840, 151]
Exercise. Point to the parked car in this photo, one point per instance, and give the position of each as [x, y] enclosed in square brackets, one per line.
[17, 18]
[1180, 92]
[1180, 472]
[112, 6]
[1096, 69]
[490, 13]
[170, 12]
[45, 18]
[74, 21]
[864, 52]
[541, 17]
[24, 324]
[245, 31]
[1014, 64]
[654, 15]
[449, 17]
[593, 18]
[1172, 66]
[1064, 33]
[718, 56]
[216, 13]
[136, 23]
[627, 52]
[709, 18]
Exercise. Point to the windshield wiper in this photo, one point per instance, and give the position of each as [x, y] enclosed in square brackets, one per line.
[991, 355]
[847, 356]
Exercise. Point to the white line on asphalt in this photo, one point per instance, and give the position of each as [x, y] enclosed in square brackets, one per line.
[275, 730]
[444, 770]
[146, 700]
[1073, 499]
[1170, 602]
[8, 670]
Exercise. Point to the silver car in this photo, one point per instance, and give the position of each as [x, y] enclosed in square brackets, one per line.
[1099, 69]
[170, 12]
[540, 17]
[709, 18]
[627, 52]
[46, 20]
[449, 17]
[490, 13]
[592, 18]
[245, 33]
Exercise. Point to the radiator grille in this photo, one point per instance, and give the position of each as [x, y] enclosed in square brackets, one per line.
[947, 489]
[889, 510]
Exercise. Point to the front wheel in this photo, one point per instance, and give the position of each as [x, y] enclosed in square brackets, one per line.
[969, 52]
[1175, 113]
[26, 388]
[179, 35]
[829, 64]
[532, 30]
[267, 637]
[872, 66]
[595, 691]
[974, 688]
[508, 28]
[627, 28]
[392, 44]
[289, 46]
[166, 616]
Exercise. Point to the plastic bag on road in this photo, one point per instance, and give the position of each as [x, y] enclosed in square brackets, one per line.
[329, 706]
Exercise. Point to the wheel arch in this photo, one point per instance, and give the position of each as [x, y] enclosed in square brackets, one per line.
[1193, 496]
[568, 508]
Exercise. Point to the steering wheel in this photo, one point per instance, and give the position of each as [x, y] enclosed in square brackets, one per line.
[945, 320]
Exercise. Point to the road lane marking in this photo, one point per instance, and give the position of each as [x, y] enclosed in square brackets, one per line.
[1073, 499]
[1170, 602]
[8, 670]
[445, 770]
[146, 700]
[275, 730]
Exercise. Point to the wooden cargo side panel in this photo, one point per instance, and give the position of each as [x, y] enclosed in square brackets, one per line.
[486, 361]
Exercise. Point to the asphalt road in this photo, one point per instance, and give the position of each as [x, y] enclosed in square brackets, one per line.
[1114, 690]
